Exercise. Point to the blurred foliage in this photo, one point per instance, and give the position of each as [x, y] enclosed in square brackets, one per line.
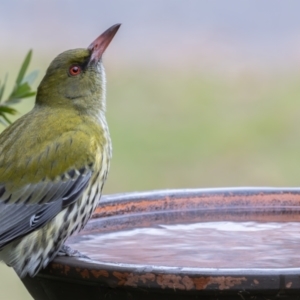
[179, 129]
[22, 89]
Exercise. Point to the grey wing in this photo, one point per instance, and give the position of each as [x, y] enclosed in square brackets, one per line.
[32, 206]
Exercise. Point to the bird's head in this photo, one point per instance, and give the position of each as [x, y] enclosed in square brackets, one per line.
[76, 77]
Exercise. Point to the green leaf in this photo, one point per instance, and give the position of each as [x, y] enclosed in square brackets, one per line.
[20, 90]
[16, 100]
[24, 67]
[7, 109]
[5, 118]
[2, 88]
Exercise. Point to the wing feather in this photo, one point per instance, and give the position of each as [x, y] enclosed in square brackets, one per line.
[43, 171]
[18, 218]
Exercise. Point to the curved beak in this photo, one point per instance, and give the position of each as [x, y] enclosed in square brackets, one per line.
[98, 46]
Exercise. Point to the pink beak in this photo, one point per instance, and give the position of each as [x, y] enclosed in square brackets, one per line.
[98, 46]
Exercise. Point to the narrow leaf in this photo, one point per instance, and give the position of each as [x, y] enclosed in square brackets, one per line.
[24, 68]
[2, 88]
[5, 118]
[7, 109]
[18, 99]
[20, 90]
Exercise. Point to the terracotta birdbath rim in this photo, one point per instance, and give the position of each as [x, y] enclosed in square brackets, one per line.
[266, 193]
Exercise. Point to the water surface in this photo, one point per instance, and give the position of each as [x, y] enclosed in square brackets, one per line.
[204, 245]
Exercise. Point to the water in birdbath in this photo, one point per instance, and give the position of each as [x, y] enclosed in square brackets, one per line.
[201, 245]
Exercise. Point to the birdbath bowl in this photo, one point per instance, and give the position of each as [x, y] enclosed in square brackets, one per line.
[231, 243]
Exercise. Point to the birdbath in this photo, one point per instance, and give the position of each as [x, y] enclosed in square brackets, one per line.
[231, 243]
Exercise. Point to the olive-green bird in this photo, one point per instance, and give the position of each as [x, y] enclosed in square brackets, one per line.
[54, 160]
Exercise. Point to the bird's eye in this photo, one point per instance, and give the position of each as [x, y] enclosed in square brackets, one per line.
[74, 70]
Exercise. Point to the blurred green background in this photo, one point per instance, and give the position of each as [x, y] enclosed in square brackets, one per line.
[200, 94]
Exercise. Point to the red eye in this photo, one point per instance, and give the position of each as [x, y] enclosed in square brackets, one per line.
[74, 70]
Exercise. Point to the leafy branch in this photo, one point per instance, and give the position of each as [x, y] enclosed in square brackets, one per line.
[22, 89]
